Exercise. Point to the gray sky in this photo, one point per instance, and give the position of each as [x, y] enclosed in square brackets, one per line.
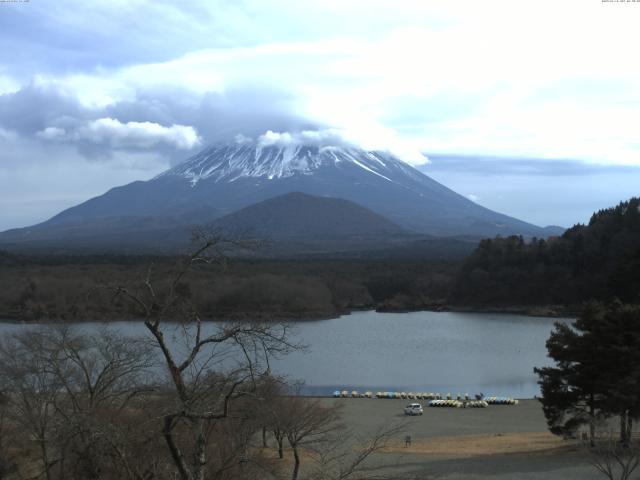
[540, 191]
[529, 108]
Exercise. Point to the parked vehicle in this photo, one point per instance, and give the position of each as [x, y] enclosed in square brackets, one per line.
[413, 409]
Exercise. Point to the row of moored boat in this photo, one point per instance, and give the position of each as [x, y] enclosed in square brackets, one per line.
[436, 400]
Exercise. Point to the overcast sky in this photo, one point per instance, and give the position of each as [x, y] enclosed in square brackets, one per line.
[531, 108]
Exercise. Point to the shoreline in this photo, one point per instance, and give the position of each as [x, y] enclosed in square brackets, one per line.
[539, 311]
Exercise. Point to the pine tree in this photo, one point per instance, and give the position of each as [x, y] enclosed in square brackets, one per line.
[573, 390]
[619, 334]
[597, 372]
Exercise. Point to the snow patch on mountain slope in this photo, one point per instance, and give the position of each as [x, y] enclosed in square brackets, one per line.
[230, 162]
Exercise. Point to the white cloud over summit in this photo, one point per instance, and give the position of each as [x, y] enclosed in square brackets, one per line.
[333, 137]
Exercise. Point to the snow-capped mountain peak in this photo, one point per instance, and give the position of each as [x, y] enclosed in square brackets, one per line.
[230, 162]
[225, 178]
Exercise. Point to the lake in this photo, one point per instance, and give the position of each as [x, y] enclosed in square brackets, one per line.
[445, 352]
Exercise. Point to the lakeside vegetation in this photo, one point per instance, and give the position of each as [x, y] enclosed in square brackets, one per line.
[51, 289]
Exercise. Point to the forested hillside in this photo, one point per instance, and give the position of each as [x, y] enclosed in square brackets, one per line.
[600, 260]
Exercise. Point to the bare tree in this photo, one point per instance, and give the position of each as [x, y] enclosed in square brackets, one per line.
[268, 390]
[212, 365]
[314, 431]
[5, 462]
[70, 391]
[100, 374]
[273, 414]
[279, 434]
[307, 424]
[347, 456]
[32, 391]
[615, 460]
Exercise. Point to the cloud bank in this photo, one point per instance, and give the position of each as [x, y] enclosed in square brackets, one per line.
[126, 135]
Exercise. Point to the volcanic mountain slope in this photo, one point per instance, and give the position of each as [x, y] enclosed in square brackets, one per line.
[293, 225]
[225, 178]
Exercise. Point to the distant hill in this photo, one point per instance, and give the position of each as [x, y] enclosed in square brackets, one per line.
[299, 215]
[297, 225]
[600, 260]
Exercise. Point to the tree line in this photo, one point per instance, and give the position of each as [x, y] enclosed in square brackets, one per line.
[600, 260]
[36, 289]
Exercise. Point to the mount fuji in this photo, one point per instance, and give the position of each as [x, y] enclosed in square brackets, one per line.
[226, 178]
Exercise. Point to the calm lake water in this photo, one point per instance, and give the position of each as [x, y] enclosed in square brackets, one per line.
[419, 351]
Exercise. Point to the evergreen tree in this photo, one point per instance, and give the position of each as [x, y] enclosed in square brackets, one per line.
[618, 329]
[572, 391]
[597, 372]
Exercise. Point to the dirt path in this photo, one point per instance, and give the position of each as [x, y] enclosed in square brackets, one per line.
[474, 445]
